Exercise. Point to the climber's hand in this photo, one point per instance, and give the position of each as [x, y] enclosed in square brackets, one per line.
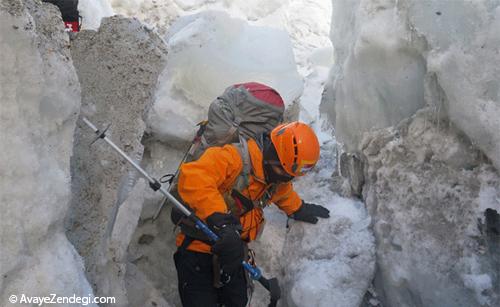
[229, 248]
[310, 212]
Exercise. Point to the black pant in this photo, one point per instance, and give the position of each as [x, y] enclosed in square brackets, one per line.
[195, 276]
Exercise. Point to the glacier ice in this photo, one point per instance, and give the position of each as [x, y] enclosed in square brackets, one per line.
[131, 264]
[208, 52]
[463, 54]
[378, 77]
[394, 57]
[118, 67]
[171, 123]
[92, 11]
[427, 72]
[39, 104]
[427, 189]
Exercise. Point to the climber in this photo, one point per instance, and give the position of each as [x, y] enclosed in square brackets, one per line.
[211, 275]
[69, 13]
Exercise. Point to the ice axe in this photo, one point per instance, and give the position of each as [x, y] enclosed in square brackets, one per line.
[255, 273]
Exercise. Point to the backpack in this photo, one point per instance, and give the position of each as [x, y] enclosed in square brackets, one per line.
[242, 112]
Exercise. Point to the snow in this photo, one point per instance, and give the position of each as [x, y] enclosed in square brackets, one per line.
[40, 98]
[262, 41]
[332, 261]
[427, 191]
[92, 11]
[489, 195]
[479, 284]
[430, 67]
[227, 51]
[306, 20]
[101, 223]
[393, 58]
[463, 42]
[208, 52]
[377, 69]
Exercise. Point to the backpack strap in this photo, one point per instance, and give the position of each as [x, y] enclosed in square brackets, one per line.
[235, 201]
[232, 131]
[244, 177]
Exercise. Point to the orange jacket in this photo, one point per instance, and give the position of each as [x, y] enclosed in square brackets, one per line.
[203, 182]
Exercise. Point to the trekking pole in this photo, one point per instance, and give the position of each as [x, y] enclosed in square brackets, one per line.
[255, 273]
[197, 138]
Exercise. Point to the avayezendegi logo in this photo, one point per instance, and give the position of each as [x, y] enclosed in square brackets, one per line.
[13, 299]
[55, 299]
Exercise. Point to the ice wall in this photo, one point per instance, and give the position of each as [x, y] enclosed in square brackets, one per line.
[39, 104]
[427, 72]
[394, 57]
[463, 44]
[118, 67]
[208, 52]
[434, 200]
[378, 77]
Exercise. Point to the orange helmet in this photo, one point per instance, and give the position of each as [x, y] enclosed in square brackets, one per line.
[297, 147]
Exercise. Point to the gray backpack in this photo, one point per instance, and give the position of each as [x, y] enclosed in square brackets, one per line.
[242, 112]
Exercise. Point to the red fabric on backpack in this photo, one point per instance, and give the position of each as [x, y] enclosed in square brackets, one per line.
[74, 26]
[264, 93]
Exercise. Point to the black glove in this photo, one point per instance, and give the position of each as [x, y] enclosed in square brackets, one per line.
[309, 213]
[230, 249]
